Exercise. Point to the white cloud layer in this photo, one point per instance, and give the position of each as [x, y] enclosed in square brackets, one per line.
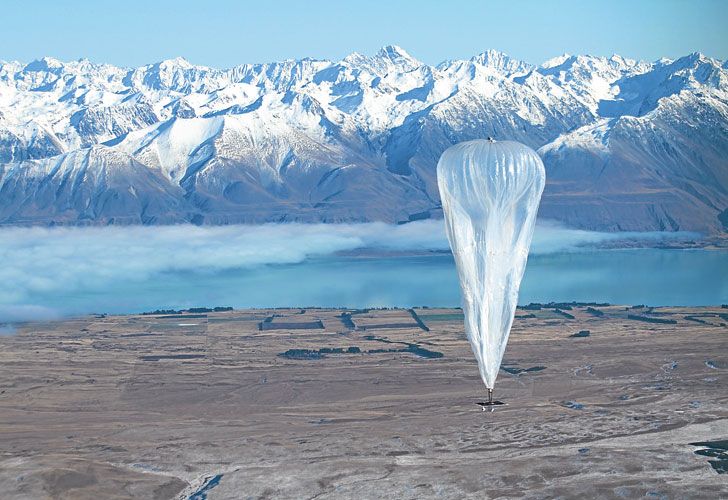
[41, 262]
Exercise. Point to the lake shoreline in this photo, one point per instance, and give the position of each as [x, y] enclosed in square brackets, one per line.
[267, 315]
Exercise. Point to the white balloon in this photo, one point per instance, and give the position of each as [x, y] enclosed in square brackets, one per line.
[490, 192]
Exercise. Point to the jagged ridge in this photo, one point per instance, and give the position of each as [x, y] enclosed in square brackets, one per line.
[628, 145]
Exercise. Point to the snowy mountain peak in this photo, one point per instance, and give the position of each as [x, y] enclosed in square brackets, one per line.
[556, 61]
[692, 62]
[395, 53]
[357, 139]
[501, 62]
[175, 62]
[399, 57]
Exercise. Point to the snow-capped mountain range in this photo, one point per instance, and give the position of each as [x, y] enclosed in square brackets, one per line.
[628, 145]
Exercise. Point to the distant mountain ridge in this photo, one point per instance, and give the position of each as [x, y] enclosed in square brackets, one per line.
[628, 145]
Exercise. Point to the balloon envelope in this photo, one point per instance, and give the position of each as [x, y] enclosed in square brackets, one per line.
[490, 193]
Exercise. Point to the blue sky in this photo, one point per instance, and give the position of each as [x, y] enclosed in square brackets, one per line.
[224, 33]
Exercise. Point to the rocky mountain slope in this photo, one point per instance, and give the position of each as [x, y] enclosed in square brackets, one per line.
[627, 145]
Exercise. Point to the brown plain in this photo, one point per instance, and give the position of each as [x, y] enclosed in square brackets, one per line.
[155, 406]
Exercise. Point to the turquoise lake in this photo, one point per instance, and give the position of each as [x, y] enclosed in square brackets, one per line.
[47, 273]
[635, 276]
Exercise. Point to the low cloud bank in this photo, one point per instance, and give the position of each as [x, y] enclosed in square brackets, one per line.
[37, 263]
[550, 237]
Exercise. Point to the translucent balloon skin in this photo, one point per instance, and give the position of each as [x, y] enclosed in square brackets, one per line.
[490, 192]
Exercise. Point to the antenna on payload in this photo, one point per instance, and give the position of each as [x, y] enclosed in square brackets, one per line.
[490, 403]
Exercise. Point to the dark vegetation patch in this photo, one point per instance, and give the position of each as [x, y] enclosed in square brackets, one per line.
[533, 306]
[347, 321]
[647, 319]
[514, 370]
[564, 314]
[179, 316]
[537, 306]
[326, 351]
[340, 350]
[301, 354]
[580, 334]
[417, 319]
[696, 320]
[413, 348]
[595, 312]
[422, 352]
[209, 310]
